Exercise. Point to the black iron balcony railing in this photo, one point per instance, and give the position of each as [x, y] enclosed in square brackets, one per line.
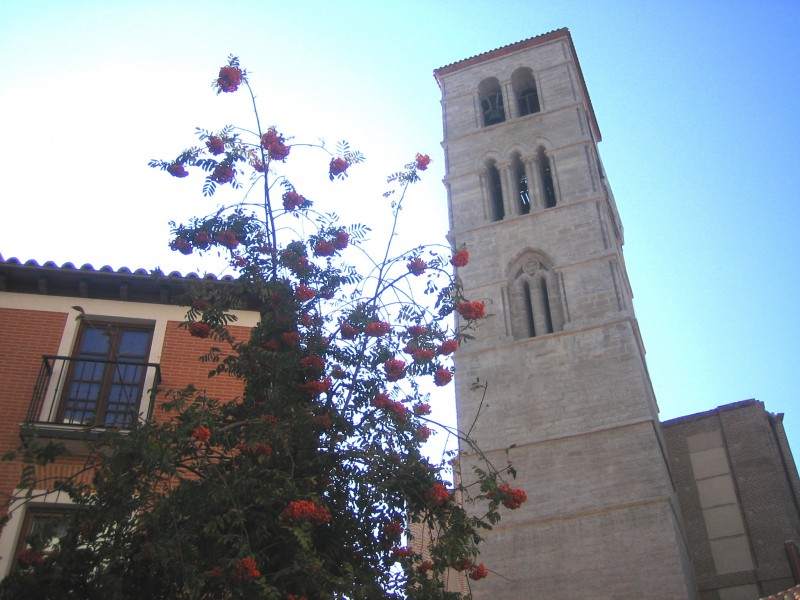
[93, 392]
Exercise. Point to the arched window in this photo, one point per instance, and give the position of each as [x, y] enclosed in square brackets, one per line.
[544, 299]
[495, 192]
[491, 102]
[534, 302]
[521, 181]
[546, 178]
[527, 301]
[524, 85]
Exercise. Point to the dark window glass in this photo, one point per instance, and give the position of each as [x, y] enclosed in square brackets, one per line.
[106, 382]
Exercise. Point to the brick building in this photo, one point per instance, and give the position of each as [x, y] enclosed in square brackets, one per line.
[86, 346]
[740, 497]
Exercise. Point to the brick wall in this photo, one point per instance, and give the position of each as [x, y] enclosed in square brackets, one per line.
[26, 336]
[180, 365]
[735, 485]
[29, 334]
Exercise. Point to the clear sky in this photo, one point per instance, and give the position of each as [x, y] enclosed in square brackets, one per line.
[698, 104]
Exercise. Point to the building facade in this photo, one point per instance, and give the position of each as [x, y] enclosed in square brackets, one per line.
[568, 396]
[740, 497]
[86, 350]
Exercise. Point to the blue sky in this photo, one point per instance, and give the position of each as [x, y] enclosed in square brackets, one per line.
[698, 104]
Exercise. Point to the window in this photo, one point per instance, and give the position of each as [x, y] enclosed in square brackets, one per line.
[521, 179]
[546, 178]
[491, 98]
[42, 527]
[534, 302]
[105, 375]
[524, 85]
[495, 192]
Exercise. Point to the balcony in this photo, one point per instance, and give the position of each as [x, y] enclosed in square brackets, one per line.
[75, 398]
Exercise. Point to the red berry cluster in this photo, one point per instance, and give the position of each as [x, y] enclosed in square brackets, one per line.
[323, 421]
[313, 363]
[338, 166]
[227, 238]
[417, 266]
[273, 143]
[306, 511]
[448, 347]
[378, 328]
[177, 170]
[472, 311]
[442, 377]
[422, 409]
[202, 239]
[30, 557]
[393, 530]
[215, 145]
[223, 173]
[438, 495]
[395, 369]
[229, 79]
[290, 338]
[182, 245]
[246, 569]
[201, 434]
[422, 161]
[348, 331]
[293, 200]
[422, 355]
[460, 258]
[200, 330]
[303, 293]
[324, 248]
[478, 572]
[423, 433]
[315, 388]
[383, 402]
[511, 498]
[256, 450]
[399, 552]
[341, 239]
[424, 567]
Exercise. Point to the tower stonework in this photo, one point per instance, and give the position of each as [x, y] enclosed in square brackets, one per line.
[561, 354]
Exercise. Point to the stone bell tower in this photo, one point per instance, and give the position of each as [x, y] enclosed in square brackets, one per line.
[568, 389]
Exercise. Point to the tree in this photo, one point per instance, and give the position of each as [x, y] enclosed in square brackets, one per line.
[302, 487]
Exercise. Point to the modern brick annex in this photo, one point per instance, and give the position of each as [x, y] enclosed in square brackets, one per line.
[568, 388]
[739, 494]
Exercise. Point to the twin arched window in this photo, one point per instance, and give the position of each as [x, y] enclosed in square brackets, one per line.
[534, 301]
[490, 94]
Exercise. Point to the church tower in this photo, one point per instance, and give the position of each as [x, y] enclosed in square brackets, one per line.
[561, 354]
